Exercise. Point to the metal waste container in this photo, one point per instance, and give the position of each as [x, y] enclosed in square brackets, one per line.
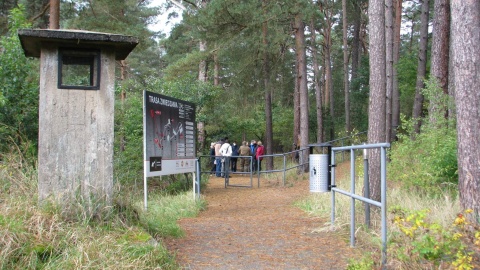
[319, 172]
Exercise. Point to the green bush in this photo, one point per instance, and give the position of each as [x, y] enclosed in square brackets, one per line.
[19, 83]
[428, 160]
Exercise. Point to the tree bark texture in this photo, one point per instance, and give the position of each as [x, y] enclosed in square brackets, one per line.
[329, 85]
[54, 20]
[357, 19]
[216, 69]
[317, 82]
[396, 57]
[327, 34]
[268, 95]
[376, 108]
[440, 51]
[422, 67]
[346, 87]
[303, 89]
[466, 61]
[296, 109]
[389, 67]
[202, 66]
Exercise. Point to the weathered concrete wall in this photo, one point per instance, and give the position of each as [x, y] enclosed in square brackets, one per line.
[75, 135]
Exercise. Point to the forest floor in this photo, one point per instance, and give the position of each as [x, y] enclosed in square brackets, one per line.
[258, 228]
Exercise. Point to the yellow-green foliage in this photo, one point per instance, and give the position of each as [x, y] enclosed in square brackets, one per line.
[429, 242]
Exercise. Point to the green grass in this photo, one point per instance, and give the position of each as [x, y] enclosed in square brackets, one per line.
[46, 237]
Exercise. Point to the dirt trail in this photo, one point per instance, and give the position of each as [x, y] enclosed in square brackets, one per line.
[257, 228]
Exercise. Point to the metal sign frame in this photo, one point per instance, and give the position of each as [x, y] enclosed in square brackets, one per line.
[169, 136]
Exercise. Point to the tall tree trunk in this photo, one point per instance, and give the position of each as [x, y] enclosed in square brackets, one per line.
[326, 9]
[203, 77]
[329, 90]
[422, 67]
[296, 109]
[216, 69]
[54, 20]
[466, 59]
[389, 67]
[303, 89]
[376, 108]
[346, 87]
[440, 52]
[357, 19]
[268, 93]
[396, 57]
[202, 47]
[202, 66]
[317, 82]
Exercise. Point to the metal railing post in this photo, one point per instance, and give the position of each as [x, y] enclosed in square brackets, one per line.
[383, 171]
[352, 203]
[332, 168]
[382, 204]
[366, 187]
[284, 169]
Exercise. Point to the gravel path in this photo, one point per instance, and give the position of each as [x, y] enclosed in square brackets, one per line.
[257, 228]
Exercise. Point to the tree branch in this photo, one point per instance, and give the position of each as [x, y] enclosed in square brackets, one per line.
[178, 4]
[44, 10]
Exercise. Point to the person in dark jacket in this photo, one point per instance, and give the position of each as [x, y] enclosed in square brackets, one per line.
[233, 163]
[253, 152]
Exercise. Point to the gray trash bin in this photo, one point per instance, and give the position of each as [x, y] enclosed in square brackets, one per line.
[319, 172]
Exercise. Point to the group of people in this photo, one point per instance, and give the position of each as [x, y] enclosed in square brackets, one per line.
[225, 155]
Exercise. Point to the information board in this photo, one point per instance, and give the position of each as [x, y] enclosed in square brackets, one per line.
[169, 135]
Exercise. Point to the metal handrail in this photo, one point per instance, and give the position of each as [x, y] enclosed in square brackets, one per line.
[383, 193]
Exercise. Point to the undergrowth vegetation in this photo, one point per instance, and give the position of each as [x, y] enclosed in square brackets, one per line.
[34, 236]
[427, 229]
[423, 231]
[427, 161]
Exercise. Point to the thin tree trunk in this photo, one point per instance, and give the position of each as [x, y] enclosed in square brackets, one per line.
[296, 109]
[356, 40]
[303, 89]
[317, 82]
[348, 128]
[422, 67]
[376, 109]
[202, 66]
[54, 20]
[440, 52]
[329, 89]
[389, 67]
[268, 94]
[466, 59]
[396, 57]
[326, 8]
[203, 77]
[216, 69]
